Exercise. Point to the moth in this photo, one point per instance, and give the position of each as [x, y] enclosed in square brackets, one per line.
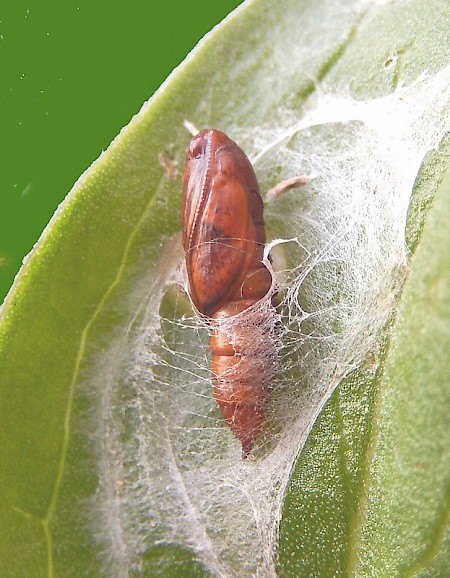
[224, 239]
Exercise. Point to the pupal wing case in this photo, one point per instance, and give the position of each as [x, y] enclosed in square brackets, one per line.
[223, 224]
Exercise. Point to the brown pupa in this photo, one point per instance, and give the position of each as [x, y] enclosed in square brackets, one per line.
[224, 237]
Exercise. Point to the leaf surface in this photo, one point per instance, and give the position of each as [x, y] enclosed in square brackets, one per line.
[114, 460]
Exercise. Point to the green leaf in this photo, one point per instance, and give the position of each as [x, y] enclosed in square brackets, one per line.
[372, 484]
[113, 456]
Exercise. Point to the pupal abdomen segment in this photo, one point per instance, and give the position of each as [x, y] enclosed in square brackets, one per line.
[223, 238]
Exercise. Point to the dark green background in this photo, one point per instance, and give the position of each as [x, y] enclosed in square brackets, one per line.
[72, 75]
